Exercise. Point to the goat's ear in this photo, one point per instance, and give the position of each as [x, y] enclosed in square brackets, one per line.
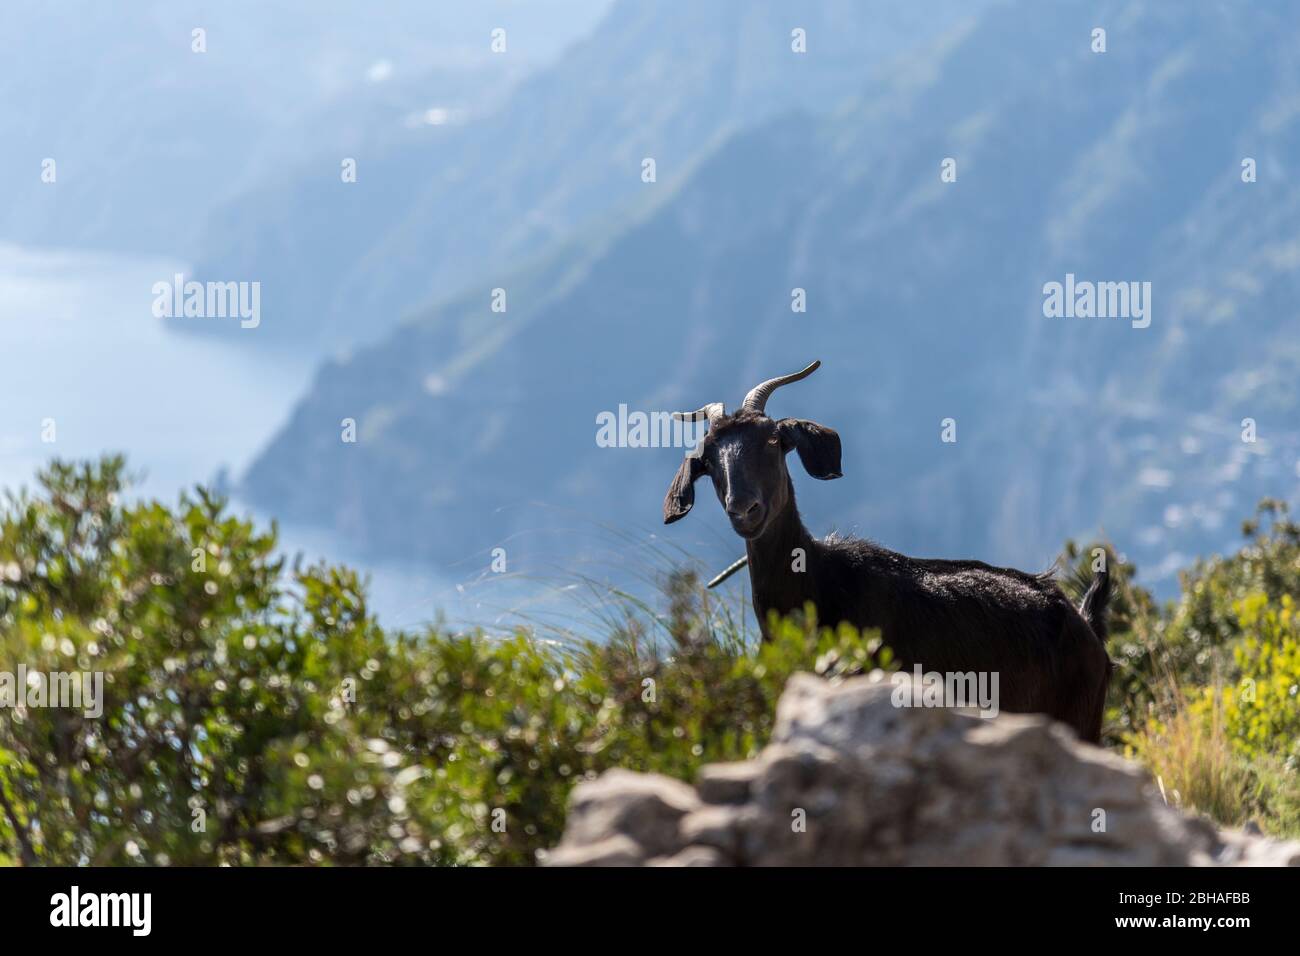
[681, 493]
[817, 445]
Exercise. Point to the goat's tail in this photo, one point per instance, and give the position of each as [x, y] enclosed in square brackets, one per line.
[1093, 606]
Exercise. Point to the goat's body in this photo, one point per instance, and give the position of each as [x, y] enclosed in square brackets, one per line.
[947, 616]
[950, 617]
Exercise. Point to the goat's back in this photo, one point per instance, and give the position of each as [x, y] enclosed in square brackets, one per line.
[961, 616]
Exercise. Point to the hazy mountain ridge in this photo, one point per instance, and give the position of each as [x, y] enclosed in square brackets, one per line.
[471, 201]
[925, 302]
[149, 135]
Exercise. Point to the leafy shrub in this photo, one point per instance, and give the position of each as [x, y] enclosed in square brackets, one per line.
[1216, 715]
[1191, 756]
[1262, 708]
[1254, 722]
[256, 713]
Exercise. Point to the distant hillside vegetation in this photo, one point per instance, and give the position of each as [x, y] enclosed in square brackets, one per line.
[924, 301]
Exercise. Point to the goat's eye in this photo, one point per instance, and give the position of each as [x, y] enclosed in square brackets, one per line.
[774, 440]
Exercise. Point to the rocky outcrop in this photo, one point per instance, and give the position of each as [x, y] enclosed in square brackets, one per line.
[851, 779]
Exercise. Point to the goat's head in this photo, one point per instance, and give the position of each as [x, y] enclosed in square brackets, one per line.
[744, 453]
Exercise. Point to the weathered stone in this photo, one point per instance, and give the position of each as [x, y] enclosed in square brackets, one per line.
[713, 826]
[692, 856]
[612, 851]
[726, 782]
[644, 807]
[850, 779]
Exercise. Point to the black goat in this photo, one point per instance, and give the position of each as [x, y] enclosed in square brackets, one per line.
[945, 616]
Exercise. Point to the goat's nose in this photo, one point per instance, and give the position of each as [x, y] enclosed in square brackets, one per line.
[743, 509]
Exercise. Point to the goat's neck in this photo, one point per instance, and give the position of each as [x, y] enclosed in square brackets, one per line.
[773, 558]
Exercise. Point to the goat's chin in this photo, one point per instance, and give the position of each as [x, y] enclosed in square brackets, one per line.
[749, 533]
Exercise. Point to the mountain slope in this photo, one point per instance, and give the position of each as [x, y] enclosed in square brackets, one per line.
[465, 201]
[149, 135]
[925, 303]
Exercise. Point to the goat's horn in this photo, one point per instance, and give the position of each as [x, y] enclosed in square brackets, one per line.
[756, 400]
[712, 411]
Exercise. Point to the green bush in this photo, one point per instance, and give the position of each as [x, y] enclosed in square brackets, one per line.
[1261, 707]
[256, 713]
[1231, 749]
[1202, 631]
[1206, 692]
